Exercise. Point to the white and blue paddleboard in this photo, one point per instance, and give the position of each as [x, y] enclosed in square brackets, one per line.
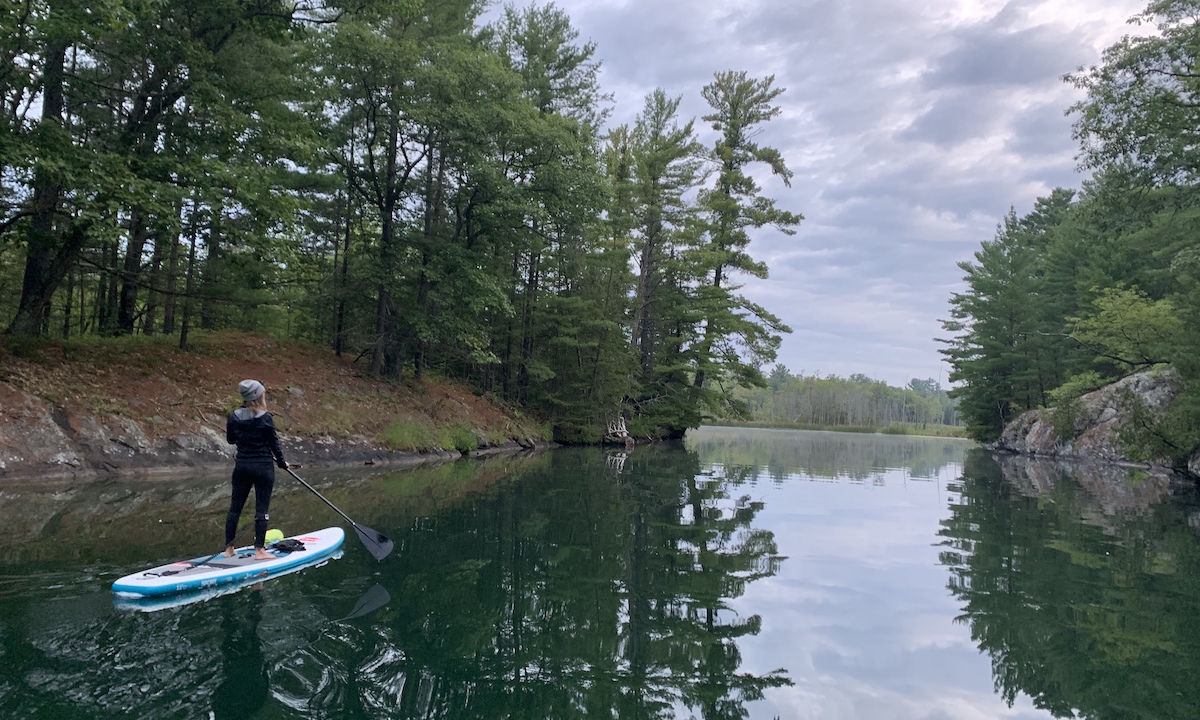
[205, 574]
[152, 603]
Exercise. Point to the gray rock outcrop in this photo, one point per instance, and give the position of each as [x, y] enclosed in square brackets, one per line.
[1098, 419]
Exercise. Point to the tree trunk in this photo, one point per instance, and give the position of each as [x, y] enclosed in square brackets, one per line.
[68, 301]
[640, 333]
[48, 256]
[154, 298]
[211, 276]
[131, 273]
[102, 280]
[510, 334]
[532, 280]
[434, 182]
[82, 301]
[705, 344]
[385, 357]
[189, 283]
[172, 282]
[343, 283]
[108, 323]
[381, 310]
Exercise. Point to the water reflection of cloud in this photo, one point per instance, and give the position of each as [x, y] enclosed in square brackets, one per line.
[859, 614]
[765, 456]
[830, 699]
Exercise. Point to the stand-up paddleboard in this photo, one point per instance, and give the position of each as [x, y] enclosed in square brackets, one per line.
[203, 574]
[153, 603]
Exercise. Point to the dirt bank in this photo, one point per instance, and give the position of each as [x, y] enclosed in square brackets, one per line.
[139, 405]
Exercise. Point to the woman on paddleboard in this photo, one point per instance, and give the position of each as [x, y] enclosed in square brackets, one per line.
[250, 428]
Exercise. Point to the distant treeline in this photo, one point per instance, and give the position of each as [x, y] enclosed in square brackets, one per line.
[1095, 285]
[396, 179]
[857, 401]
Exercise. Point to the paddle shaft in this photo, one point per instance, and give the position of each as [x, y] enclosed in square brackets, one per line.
[382, 545]
[325, 500]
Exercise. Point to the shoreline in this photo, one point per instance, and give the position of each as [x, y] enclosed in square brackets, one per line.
[850, 429]
[137, 406]
[308, 453]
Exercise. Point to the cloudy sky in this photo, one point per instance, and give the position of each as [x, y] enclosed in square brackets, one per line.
[912, 127]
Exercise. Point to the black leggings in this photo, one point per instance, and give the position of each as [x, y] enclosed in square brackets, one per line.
[261, 477]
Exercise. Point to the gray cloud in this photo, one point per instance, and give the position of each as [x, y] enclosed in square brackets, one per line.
[912, 126]
[986, 55]
[1041, 130]
[956, 116]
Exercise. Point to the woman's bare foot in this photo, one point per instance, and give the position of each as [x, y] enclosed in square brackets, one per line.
[229, 551]
[262, 554]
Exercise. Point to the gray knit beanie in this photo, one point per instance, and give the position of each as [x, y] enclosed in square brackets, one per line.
[251, 390]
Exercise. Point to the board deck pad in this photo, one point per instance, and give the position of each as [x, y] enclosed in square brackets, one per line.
[203, 573]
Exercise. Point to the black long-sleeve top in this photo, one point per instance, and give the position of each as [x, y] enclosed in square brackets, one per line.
[254, 436]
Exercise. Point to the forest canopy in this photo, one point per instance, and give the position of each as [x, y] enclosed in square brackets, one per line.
[416, 188]
[1098, 283]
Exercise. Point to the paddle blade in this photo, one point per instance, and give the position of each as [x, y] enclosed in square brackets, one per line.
[376, 542]
[371, 601]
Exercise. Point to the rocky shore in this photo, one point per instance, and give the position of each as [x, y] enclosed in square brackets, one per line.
[40, 439]
[1097, 422]
[138, 406]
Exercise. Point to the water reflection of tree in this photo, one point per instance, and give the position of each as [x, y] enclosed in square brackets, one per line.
[588, 598]
[244, 687]
[572, 592]
[1089, 619]
[75, 657]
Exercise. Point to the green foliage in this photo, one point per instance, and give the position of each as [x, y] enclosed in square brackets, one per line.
[1064, 417]
[568, 434]
[1148, 435]
[1077, 386]
[1141, 106]
[1129, 329]
[1106, 285]
[391, 178]
[1007, 348]
[407, 436]
[738, 336]
[949, 431]
[458, 437]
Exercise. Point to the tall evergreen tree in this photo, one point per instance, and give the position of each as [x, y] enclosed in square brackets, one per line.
[994, 352]
[738, 335]
[393, 179]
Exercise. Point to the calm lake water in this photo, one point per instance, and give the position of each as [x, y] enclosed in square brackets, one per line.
[745, 573]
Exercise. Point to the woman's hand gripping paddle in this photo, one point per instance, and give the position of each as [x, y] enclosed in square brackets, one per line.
[376, 542]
